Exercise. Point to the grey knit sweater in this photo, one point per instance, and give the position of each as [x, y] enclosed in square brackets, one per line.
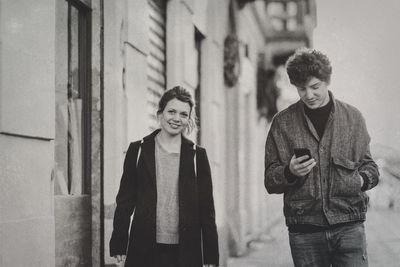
[167, 173]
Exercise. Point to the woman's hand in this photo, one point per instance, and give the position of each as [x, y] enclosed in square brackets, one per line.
[209, 265]
[120, 259]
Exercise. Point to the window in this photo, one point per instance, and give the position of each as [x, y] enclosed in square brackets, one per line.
[73, 100]
[285, 15]
[198, 38]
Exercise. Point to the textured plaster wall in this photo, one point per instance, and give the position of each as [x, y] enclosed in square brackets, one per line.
[27, 53]
[27, 67]
[26, 202]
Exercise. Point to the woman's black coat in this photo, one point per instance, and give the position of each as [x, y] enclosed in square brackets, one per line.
[138, 194]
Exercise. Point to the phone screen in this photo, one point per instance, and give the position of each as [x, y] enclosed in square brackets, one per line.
[298, 152]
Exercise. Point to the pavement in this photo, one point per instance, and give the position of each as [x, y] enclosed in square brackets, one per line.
[383, 239]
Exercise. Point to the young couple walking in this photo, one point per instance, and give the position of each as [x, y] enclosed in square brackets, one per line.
[316, 154]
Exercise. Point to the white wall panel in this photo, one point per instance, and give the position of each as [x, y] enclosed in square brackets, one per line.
[27, 67]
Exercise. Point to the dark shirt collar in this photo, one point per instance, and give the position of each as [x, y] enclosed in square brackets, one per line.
[301, 105]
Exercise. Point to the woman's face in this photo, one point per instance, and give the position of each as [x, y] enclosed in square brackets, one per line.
[175, 117]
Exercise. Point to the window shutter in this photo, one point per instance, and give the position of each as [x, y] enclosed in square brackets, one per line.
[156, 60]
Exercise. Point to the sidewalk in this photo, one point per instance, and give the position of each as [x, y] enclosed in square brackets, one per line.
[383, 237]
[273, 250]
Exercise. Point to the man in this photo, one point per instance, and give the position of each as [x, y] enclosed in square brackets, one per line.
[325, 202]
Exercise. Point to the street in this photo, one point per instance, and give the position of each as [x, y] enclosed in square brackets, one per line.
[383, 237]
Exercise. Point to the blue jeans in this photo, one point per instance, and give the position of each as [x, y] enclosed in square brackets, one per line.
[344, 246]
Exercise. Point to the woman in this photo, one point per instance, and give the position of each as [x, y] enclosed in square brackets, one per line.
[166, 182]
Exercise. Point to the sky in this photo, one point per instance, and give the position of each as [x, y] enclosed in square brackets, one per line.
[362, 39]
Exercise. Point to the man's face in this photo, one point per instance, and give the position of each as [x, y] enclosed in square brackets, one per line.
[314, 93]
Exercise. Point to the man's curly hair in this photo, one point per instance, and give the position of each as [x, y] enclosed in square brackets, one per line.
[306, 63]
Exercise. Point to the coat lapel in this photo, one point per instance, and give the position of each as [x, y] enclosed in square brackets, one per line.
[186, 167]
[186, 183]
[148, 151]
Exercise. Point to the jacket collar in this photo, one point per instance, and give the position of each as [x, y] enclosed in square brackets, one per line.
[151, 137]
[148, 151]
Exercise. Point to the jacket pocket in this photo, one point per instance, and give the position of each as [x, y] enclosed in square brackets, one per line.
[299, 208]
[345, 179]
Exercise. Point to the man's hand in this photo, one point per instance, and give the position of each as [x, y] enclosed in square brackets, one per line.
[209, 265]
[300, 168]
[120, 259]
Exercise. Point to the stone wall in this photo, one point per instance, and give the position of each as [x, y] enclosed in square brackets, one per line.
[27, 125]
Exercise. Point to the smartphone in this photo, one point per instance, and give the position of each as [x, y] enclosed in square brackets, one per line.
[298, 152]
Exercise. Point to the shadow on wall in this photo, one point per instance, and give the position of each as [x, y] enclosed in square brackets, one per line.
[387, 193]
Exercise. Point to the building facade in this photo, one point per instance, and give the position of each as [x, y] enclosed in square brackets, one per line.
[81, 79]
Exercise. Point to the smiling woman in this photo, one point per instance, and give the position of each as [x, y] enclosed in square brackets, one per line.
[169, 189]
[175, 112]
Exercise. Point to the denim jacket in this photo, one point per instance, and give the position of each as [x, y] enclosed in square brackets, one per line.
[332, 192]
